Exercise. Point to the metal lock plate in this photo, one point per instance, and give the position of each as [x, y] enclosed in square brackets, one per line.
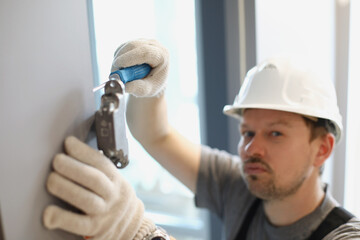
[111, 126]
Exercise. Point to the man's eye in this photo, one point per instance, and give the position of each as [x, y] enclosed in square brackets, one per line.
[276, 134]
[248, 134]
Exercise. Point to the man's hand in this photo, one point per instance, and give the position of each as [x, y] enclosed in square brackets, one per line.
[89, 181]
[144, 51]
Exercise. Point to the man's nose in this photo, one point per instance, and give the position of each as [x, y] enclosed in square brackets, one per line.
[255, 147]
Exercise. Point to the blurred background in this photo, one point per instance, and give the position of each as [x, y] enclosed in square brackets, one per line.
[52, 53]
[212, 44]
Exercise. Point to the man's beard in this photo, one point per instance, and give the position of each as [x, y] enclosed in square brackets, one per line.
[265, 186]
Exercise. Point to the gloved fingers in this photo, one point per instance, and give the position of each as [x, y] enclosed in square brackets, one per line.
[144, 87]
[77, 196]
[127, 46]
[152, 55]
[154, 83]
[82, 152]
[83, 174]
[55, 217]
[144, 51]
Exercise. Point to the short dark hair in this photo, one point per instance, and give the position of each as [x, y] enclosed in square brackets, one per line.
[319, 127]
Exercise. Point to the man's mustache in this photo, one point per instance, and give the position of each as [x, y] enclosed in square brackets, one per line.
[260, 161]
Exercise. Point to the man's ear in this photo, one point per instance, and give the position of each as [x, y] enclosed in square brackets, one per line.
[326, 145]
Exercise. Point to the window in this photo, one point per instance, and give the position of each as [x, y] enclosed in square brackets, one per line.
[352, 194]
[172, 23]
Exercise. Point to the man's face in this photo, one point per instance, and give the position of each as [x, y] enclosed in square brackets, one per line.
[277, 155]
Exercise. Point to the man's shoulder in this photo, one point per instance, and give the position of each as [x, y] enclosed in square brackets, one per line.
[349, 230]
[219, 162]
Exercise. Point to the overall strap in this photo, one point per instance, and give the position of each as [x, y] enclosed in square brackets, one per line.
[248, 219]
[333, 220]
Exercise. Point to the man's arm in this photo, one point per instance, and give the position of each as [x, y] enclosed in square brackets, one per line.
[147, 113]
[148, 122]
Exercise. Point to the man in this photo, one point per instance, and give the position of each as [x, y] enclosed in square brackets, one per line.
[289, 124]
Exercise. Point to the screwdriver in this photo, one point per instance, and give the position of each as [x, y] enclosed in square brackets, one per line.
[127, 74]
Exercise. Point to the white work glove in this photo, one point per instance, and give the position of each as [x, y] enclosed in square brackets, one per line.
[89, 181]
[143, 51]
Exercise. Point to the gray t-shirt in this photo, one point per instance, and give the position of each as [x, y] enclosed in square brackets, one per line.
[221, 189]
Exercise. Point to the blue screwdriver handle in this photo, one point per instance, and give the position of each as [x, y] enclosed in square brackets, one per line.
[132, 73]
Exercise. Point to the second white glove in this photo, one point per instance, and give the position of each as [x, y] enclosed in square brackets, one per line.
[89, 181]
[144, 51]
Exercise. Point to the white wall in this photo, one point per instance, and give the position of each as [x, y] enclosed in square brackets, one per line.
[45, 94]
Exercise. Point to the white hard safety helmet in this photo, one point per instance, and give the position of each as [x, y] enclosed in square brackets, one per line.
[279, 85]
